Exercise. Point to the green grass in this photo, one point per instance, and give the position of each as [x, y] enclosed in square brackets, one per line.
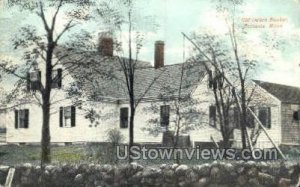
[91, 153]
[17, 154]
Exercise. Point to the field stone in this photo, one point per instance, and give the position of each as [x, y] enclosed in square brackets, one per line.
[202, 182]
[284, 182]
[4, 168]
[78, 178]
[27, 165]
[136, 167]
[174, 166]
[242, 180]
[136, 178]
[181, 170]
[168, 173]
[163, 166]
[252, 172]
[183, 184]
[229, 167]
[191, 176]
[214, 173]
[266, 179]
[253, 182]
[203, 170]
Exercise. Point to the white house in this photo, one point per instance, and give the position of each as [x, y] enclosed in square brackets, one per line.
[103, 102]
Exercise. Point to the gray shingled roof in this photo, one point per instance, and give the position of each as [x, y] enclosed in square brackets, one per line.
[102, 76]
[285, 93]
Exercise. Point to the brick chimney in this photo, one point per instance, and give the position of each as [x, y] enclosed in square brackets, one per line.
[106, 44]
[159, 54]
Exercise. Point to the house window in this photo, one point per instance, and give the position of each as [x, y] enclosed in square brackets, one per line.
[250, 118]
[264, 115]
[57, 78]
[67, 116]
[21, 118]
[124, 117]
[212, 116]
[164, 115]
[33, 80]
[296, 115]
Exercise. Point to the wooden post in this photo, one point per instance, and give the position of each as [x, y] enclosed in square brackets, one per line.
[216, 144]
[10, 177]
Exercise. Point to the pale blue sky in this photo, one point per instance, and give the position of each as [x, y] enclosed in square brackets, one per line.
[176, 16]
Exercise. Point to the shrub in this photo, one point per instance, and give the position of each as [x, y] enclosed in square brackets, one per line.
[115, 136]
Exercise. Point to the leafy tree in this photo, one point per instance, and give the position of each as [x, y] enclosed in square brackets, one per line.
[42, 46]
[122, 16]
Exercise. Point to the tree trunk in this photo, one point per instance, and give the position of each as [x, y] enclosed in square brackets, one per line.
[131, 131]
[244, 114]
[45, 156]
[46, 93]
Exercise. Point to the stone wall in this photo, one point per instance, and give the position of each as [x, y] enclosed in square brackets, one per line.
[215, 174]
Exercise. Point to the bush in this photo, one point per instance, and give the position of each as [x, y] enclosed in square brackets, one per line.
[115, 136]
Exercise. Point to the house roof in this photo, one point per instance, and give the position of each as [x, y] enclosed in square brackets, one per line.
[285, 93]
[102, 77]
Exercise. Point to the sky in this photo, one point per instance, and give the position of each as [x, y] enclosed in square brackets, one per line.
[176, 16]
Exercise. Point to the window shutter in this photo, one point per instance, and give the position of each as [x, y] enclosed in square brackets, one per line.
[40, 80]
[124, 117]
[26, 123]
[212, 115]
[73, 116]
[61, 114]
[59, 76]
[269, 117]
[210, 79]
[164, 115]
[236, 117]
[28, 82]
[16, 118]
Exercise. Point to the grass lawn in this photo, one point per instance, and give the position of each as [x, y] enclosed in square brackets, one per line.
[18, 154]
[91, 153]
[101, 153]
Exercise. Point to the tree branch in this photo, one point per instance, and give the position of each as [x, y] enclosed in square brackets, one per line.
[67, 27]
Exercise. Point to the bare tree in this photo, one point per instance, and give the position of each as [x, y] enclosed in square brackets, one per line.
[119, 16]
[184, 115]
[42, 46]
[217, 67]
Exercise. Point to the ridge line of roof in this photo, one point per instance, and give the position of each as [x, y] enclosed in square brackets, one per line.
[260, 81]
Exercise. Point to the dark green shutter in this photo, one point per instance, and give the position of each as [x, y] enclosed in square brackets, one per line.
[269, 117]
[124, 117]
[16, 118]
[73, 116]
[61, 115]
[236, 117]
[212, 115]
[164, 115]
[40, 80]
[28, 82]
[26, 123]
[210, 79]
[59, 77]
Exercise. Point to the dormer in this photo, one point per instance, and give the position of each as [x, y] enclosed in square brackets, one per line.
[57, 78]
[34, 78]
